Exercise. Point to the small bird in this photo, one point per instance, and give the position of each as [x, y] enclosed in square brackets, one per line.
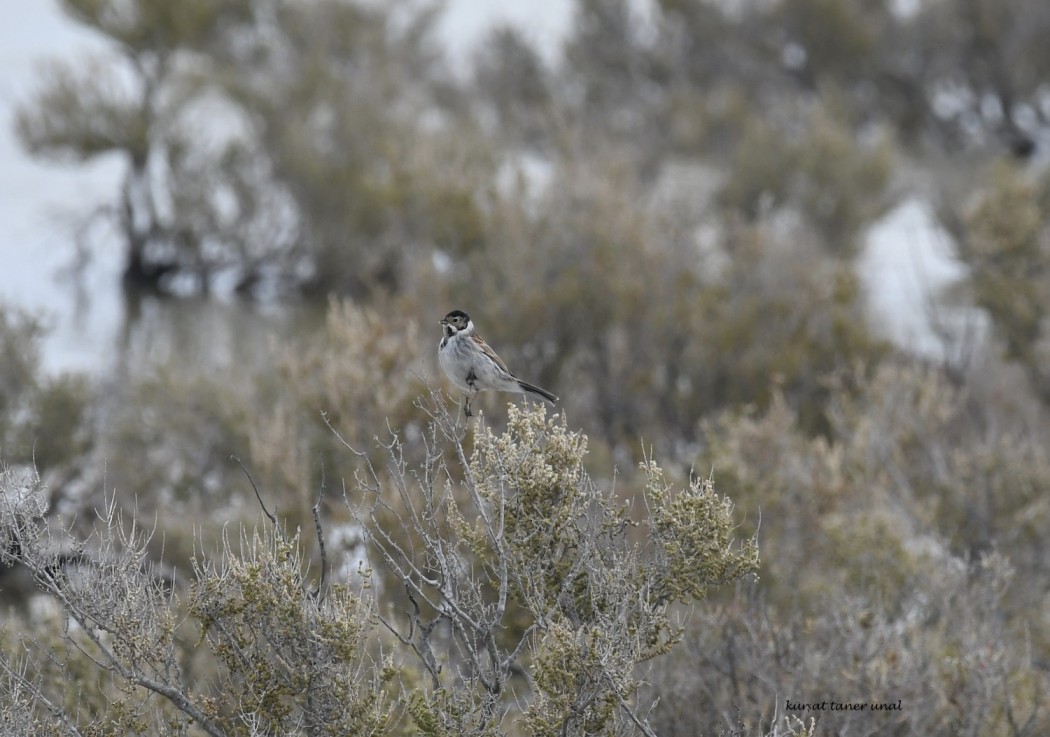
[473, 366]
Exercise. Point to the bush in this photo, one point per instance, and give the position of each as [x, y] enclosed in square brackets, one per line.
[1004, 240]
[43, 419]
[524, 567]
[897, 558]
[812, 169]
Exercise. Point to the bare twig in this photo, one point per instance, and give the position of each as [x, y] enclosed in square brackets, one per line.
[317, 593]
[132, 675]
[424, 649]
[258, 496]
[31, 688]
[643, 726]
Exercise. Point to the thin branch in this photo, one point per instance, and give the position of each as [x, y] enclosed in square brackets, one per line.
[426, 655]
[320, 536]
[258, 496]
[38, 695]
[177, 698]
[324, 416]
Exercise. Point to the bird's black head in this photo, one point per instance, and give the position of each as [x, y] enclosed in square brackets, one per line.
[455, 321]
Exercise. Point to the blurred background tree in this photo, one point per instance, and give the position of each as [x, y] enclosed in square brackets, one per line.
[263, 139]
[1003, 237]
[135, 104]
[666, 223]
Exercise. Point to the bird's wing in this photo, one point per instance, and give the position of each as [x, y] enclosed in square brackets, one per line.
[490, 353]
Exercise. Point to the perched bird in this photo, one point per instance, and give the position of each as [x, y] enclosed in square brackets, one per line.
[472, 366]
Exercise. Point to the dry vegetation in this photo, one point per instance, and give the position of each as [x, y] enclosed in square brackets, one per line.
[663, 225]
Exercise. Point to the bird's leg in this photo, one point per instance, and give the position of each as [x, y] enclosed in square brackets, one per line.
[471, 382]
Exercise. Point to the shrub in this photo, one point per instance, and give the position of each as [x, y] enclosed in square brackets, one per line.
[43, 419]
[523, 566]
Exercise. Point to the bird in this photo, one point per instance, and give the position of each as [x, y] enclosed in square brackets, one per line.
[473, 366]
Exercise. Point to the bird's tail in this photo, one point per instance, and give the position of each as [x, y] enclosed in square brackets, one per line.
[542, 393]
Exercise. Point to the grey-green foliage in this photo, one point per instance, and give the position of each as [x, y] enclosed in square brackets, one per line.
[250, 647]
[1004, 240]
[904, 551]
[511, 75]
[814, 169]
[527, 565]
[994, 53]
[136, 102]
[290, 660]
[335, 92]
[42, 418]
[885, 65]
[536, 595]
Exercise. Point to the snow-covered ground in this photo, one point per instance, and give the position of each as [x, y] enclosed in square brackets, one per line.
[907, 263]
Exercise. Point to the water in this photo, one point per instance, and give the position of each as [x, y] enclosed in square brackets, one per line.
[42, 203]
